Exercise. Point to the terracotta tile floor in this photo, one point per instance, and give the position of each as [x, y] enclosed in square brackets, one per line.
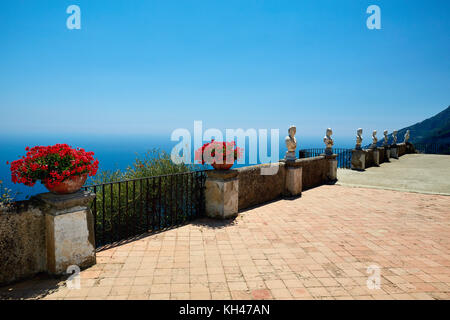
[318, 246]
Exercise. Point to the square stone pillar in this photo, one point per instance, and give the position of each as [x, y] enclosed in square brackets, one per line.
[381, 155]
[293, 178]
[69, 227]
[332, 167]
[358, 160]
[376, 157]
[222, 194]
[387, 154]
[394, 151]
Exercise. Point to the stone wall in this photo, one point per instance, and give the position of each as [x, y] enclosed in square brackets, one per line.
[401, 149]
[315, 171]
[22, 242]
[255, 188]
[46, 234]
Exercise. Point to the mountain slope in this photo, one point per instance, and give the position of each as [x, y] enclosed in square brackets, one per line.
[432, 130]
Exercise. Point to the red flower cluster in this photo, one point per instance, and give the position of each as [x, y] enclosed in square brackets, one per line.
[52, 165]
[218, 152]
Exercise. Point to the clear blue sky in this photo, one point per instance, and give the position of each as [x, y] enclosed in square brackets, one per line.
[157, 65]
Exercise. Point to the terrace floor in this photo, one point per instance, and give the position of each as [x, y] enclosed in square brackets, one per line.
[424, 173]
[318, 246]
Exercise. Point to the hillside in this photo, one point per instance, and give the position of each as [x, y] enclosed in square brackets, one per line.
[432, 130]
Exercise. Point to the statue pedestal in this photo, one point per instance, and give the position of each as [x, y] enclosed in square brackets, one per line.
[69, 227]
[332, 167]
[376, 157]
[394, 151]
[293, 178]
[381, 155]
[290, 156]
[222, 194]
[358, 160]
[387, 154]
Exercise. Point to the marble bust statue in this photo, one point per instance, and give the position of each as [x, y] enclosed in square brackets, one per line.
[291, 143]
[406, 136]
[386, 138]
[394, 137]
[328, 142]
[359, 139]
[374, 139]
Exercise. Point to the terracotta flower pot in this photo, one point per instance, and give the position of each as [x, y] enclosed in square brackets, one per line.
[70, 185]
[222, 166]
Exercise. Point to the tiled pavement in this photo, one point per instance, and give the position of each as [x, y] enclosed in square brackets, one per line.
[318, 246]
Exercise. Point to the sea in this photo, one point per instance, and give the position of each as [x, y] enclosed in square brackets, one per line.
[112, 151]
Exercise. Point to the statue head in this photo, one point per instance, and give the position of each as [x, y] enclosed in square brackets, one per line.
[292, 130]
[359, 131]
[374, 133]
[329, 132]
[385, 132]
[394, 132]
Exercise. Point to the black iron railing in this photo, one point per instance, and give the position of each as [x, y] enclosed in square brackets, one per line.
[344, 157]
[433, 148]
[133, 207]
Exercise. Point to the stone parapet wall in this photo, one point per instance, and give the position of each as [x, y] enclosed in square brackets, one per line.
[256, 188]
[22, 242]
[46, 234]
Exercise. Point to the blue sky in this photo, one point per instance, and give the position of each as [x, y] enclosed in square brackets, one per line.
[149, 67]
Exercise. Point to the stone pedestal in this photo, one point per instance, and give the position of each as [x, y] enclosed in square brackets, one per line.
[376, 157]
[222, 194]
[410, 148]
[332, 167]
[387, 154]
[394, 151]
[358, 160]
[381, 155]
[293, 178]
[69, 227]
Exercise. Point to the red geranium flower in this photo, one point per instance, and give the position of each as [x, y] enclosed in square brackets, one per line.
[52, 165]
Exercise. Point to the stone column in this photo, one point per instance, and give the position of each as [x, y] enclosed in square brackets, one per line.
[69, 227]
[332, 167]
[394, 151]
[381, 155]
[358, 160]
[293, 178]
[222, 194]
[387, 154]
[376, 157]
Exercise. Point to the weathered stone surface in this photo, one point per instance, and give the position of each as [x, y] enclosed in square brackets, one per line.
[376, 157]
[222, 197]
[394, 152]
[401, 149]
[369, 158]
[358, 160]
[68, 241]
[22, 243]
[293, 181]
[381, 154]
[222, 174]
[314, 171]
[332, 165]
[387, 154]
[256, 188]
[69, 231]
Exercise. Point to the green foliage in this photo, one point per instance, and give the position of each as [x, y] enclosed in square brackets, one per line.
[6, 195]
[153, 163]
[129, 207]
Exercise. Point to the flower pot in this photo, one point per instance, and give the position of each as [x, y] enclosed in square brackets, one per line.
[70, 185]
[222, 166]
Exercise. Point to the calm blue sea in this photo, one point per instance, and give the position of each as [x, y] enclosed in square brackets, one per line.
[113, 151]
